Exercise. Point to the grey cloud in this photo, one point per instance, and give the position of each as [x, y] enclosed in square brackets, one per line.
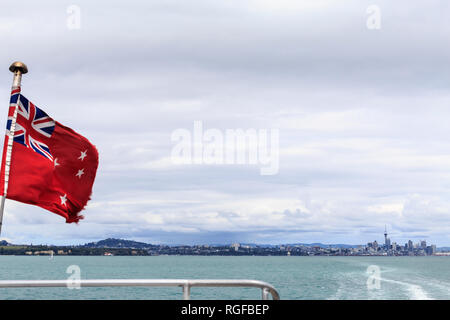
[362, 116]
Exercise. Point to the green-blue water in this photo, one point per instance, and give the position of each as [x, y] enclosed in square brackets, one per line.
[293, 277]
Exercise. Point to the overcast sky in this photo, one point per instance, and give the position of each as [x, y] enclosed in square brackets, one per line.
[363, 116]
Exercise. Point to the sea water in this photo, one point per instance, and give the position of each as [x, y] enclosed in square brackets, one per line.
[293, 277]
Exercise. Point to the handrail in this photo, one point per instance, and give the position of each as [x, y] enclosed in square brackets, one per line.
[265, 287]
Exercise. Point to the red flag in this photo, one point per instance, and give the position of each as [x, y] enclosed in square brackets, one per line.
[52, 166]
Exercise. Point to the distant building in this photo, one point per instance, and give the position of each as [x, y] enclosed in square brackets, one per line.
[387, 241]
[235, 246]
[431, 250]
[394, 246]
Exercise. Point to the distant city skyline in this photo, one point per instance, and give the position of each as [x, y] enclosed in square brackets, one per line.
[387, 243]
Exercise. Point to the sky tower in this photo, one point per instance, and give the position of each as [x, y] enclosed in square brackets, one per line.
[387, 241]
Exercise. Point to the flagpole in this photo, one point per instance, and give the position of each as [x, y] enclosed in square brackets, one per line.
[18, 68]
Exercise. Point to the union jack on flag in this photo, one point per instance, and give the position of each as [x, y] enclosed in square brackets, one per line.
[33, 126]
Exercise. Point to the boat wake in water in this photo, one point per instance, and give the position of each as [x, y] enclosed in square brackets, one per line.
[416, 292]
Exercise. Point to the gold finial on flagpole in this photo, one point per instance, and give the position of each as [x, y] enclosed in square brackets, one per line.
[18, 66]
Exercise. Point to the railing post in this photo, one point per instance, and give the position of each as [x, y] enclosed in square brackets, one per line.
[265, 293]
[186, 292]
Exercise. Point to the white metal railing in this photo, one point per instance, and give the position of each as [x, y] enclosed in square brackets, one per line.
[185, 284]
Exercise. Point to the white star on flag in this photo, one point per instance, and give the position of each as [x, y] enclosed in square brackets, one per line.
[80, 173]
[83, 155]
[55, 162]
[63, 199]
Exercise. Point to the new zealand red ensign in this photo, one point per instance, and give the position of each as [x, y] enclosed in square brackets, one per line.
[51, 165]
